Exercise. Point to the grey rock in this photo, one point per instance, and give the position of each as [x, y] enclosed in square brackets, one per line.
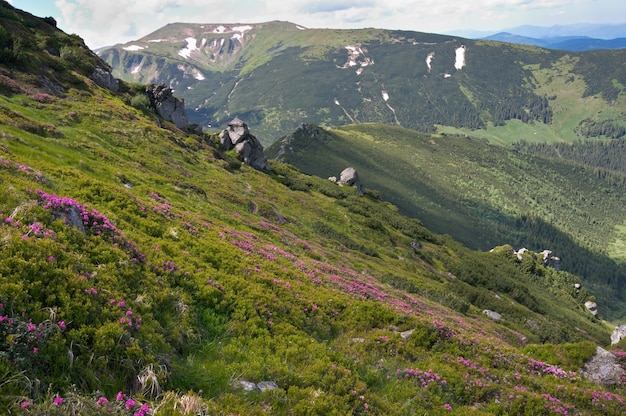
[350, 177]
[406, 334]
[267, 385]
[71, 215]
[550, 260]
[603, 368]
[619, 333]
[247, 385]
[249, 149]
[167, 106]
[493, 315]
[103, 77]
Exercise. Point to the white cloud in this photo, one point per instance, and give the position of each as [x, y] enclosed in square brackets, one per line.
[108, 22]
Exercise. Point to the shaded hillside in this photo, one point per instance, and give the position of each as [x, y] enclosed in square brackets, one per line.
[482, 195]
[276, 75]
[144, 271]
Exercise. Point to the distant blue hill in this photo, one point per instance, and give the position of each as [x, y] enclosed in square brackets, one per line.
[568, 43]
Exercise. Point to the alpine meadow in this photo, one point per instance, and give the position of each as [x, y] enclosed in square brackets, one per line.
[153, 265]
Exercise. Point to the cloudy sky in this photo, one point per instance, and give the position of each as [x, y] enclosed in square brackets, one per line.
[103, 23]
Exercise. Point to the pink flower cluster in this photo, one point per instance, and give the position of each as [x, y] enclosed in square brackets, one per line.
[93, 221]
[38, 176]
[425, 378]
[127, 319]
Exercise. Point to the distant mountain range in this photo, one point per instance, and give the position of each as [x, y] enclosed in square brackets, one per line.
[576, 37]
[567, 43]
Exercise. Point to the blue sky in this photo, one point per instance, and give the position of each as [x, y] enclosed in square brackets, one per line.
[102, 23]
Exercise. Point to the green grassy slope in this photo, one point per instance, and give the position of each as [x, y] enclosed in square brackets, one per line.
[482, 195]
[144, 272]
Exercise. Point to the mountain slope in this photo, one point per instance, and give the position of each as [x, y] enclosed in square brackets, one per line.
[143, 271]
[481, 194]
[276, 75]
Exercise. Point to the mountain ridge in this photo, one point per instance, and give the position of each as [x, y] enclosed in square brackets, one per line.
[281, 76]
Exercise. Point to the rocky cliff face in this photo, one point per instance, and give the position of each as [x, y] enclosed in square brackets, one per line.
[167, 106]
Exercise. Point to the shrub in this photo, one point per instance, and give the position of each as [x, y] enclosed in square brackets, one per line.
[141, 102]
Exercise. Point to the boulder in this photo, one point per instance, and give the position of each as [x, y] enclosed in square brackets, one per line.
[619, 333]
[249, 149]
[493, 315]
[592, 307]
[167, 106]
[350, 177]
[603, 368]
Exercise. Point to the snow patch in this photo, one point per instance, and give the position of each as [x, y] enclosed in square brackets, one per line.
[191, 46]
[429, 60]
[459, 61]
[357, 57]
[136, 69]
[300, 27]
[199, 76]
[241, 28]
[385, 95]
[337, 102]
[446, 75]
[219, 29]
[157, 40]
[133, 48]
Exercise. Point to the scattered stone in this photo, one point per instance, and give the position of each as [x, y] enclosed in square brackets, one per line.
[248, 148]
[493, 315]
[167, 106]
[355, 340]
[577, 286]
[350, 177]
[250, 386]
[603, 368]
[619, 333]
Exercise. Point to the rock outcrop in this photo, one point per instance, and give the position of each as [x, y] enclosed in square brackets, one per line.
[248, 148]
[592, 307]
[550, 260]
[619, 333]
[350, 177]
[103, 77]
[603, 368]
[167, 106]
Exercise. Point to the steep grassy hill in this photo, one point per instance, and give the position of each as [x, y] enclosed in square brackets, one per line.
[145, 272]
[481, 194]
[276, 75]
